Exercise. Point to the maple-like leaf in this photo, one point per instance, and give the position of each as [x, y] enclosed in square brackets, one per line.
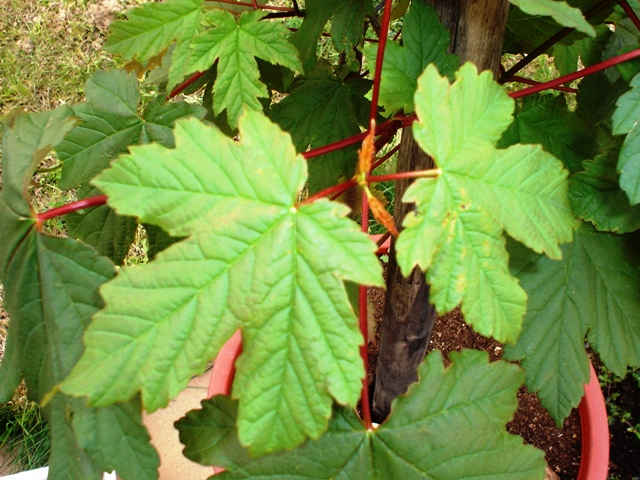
[594, 289]
[150, 29]
[235, 43]
[252, 260]
[421, 439]
[597, 198]
[562, 13]
[324, 108]
[109, 123]
[50, 292]
[547, 121]
[625, 120]
[425, 41]
[457, 230]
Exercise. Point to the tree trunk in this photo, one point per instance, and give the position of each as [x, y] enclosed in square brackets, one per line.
[477, 30]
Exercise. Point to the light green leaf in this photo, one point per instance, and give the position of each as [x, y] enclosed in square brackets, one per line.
[323, 109]
[110, 123]
[235, 43]
[456, 233]
[595, 288]
[425, 41]
[149, 30]
[561, 12]
[420, 440]
[596, 197]
[239, 213]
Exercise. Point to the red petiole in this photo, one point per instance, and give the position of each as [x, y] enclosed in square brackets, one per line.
[70, 208]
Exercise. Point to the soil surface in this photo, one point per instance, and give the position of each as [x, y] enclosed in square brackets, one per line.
[562, 447]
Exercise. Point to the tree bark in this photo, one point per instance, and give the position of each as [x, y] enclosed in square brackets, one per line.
[477, 29]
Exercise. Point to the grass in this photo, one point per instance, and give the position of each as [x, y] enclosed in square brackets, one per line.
[24, 436]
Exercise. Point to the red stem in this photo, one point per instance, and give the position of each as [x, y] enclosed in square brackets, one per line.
[364, 349]
[579, 74]
[629, 11]
[528, 81]
[70, 208]
[384, 32]
[380, 161]
[254, 5]
[185, 84]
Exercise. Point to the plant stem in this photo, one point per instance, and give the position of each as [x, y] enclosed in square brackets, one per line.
[380, 161]
[185, 84]
[536, 52]
[528, 81]
[336, 190]
[50, 169]
[70, 208]
[364, 328]
[629, 11]
[384, 32]
[579, 74]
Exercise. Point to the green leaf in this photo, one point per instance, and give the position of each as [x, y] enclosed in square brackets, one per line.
[323, 109]
[627, 113]
[235, 43]
[596, 197]
[547, 121]
[26, 141]
[317, 14]
[456, 233]
[596, 288]
[110, 123]
[425, 41]
[559, 11]
[421, 439]
[109, 233]
[629, 166]
[347, 29]
[252, 260]
[587, 51]
[526, 32]
[51, 292]
[149, 30]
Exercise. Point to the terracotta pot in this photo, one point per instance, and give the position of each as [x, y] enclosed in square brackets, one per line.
[594, 461]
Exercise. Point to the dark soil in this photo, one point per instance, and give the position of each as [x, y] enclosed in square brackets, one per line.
[531, 421]
[624, 397]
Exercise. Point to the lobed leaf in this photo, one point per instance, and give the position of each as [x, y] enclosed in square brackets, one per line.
[150, 29]
[324, 108]
[110, 124]
[252, 260]
[421, 439]
[561, 12]
[594, 289]
[456, 233]
[596, 197]
[235, 44]
[425, 41]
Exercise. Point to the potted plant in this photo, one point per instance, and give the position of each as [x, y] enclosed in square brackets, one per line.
[242, 235]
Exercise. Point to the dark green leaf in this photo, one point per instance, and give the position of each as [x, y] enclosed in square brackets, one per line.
[102, 228]
[110, 124]
[323, 109]
[587, 51]
[596, 197]
[629, 166]
[420, 440]
[546, 120]
[594, 288]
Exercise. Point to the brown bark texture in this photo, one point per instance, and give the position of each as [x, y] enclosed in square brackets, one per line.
[477, 29]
